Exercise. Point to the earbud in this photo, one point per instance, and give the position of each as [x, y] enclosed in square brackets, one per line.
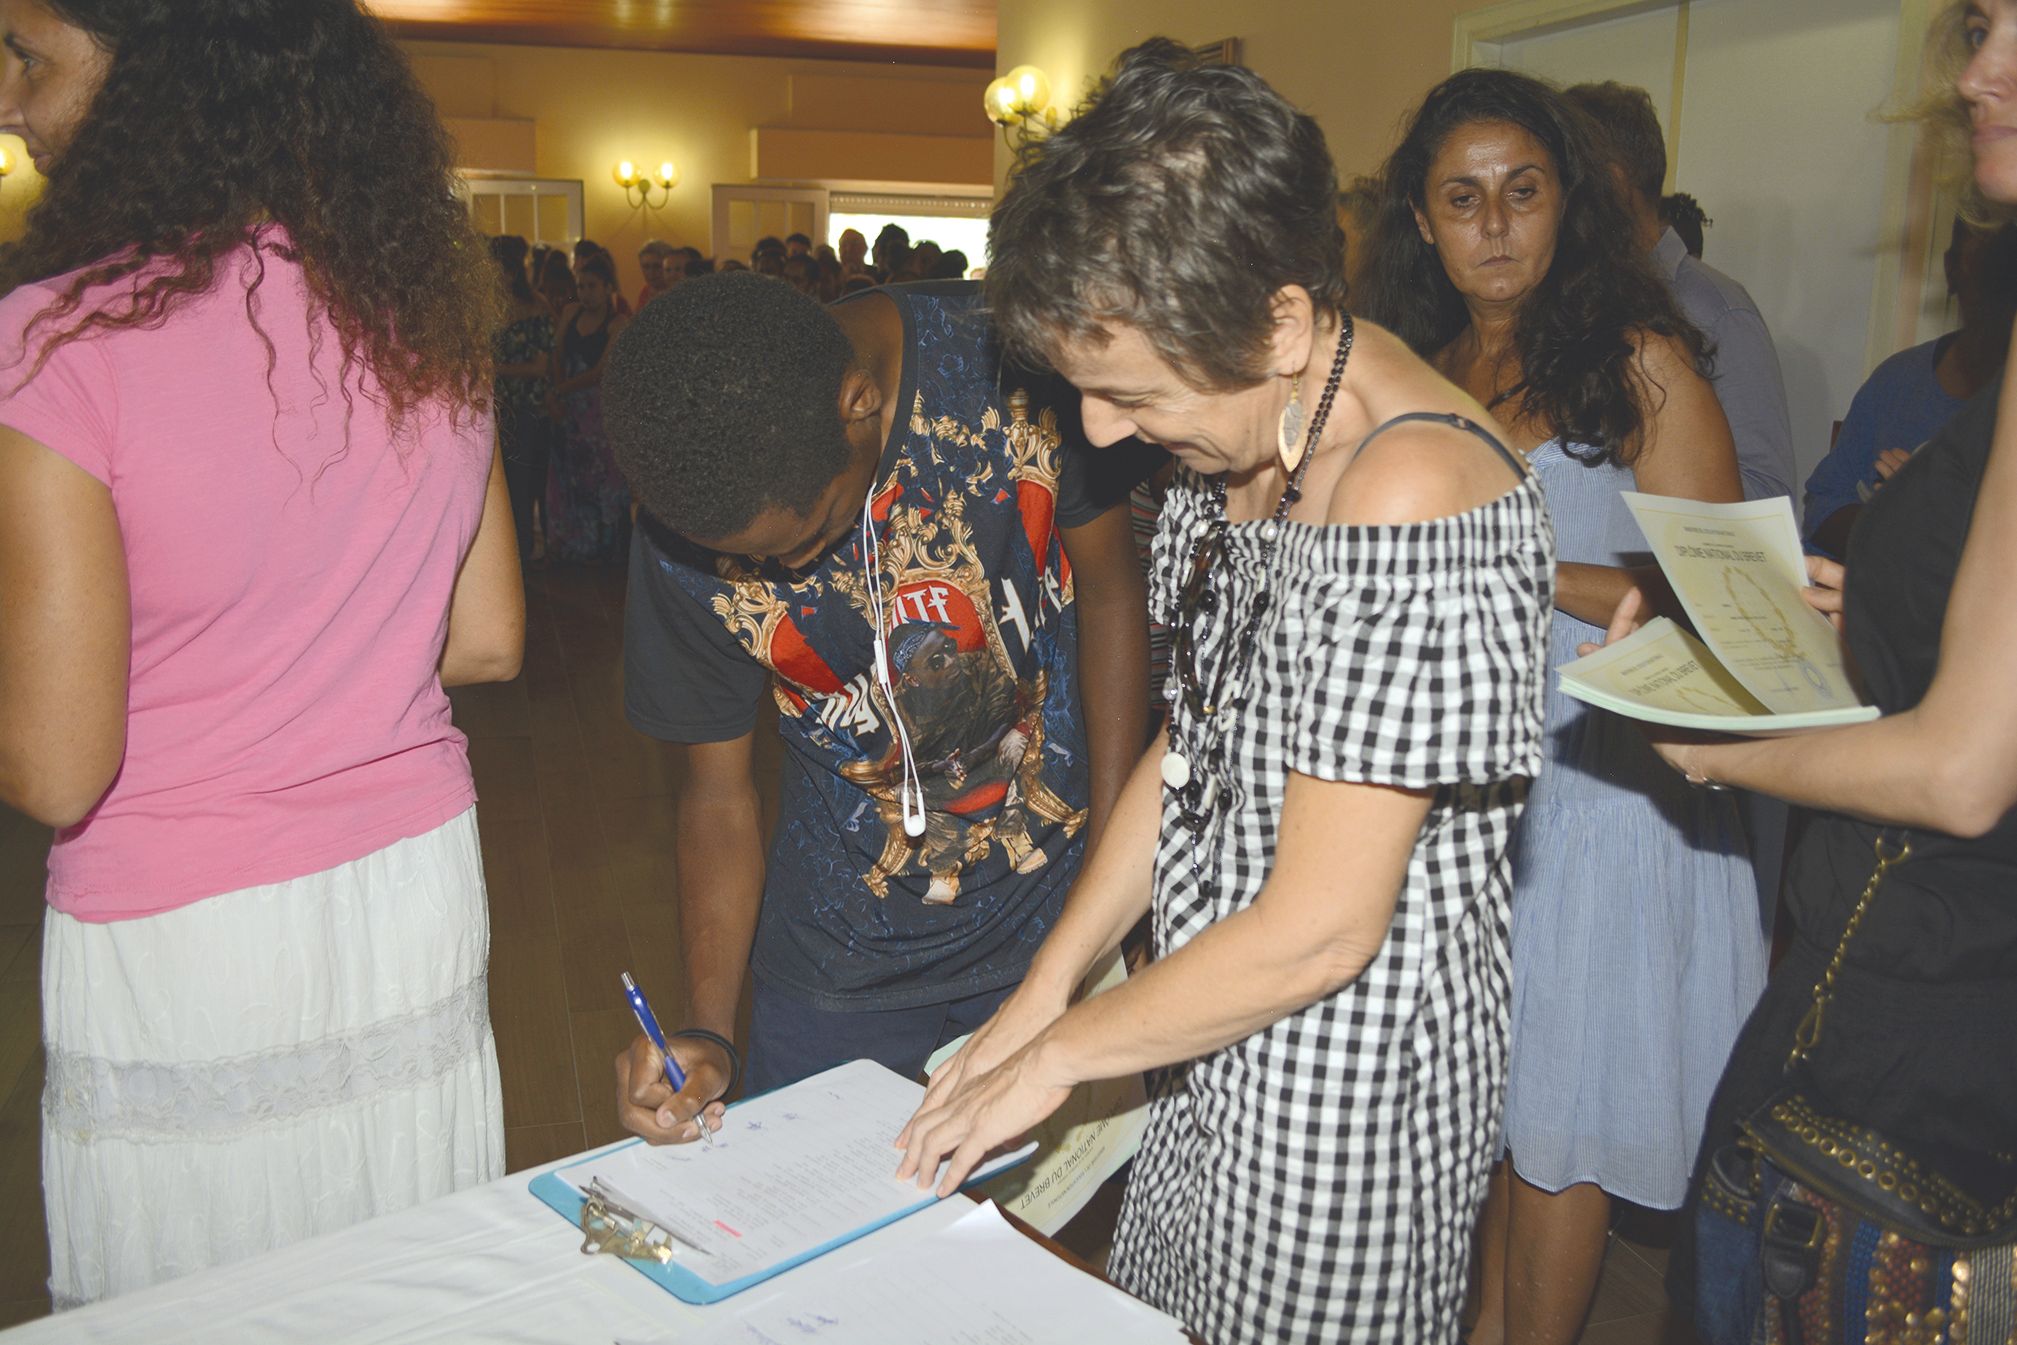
[911, 793]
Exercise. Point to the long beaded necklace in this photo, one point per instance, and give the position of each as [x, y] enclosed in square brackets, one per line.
[1198, 598]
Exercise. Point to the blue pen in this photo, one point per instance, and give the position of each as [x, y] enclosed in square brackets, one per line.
[647, 1020]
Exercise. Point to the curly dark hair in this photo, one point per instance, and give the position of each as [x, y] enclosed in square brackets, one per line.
[1684, 215]
[1179, 200]
[1579, 374]
[722, 399]
[218, 117]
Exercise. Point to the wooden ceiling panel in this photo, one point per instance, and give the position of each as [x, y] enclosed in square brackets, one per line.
[936, 32]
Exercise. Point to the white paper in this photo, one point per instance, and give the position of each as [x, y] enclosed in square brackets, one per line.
[1081, 1144]
[1663, 675]
[789, 1172]
[977, 1283]
[1738, 571]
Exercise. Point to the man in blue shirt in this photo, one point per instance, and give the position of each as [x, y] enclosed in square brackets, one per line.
[1911, 395]
[1746, 373]
[1900, 406]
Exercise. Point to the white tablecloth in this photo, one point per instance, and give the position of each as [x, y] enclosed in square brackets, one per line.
[489, 1264]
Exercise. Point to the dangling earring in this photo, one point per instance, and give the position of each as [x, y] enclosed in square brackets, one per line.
[1290, 432]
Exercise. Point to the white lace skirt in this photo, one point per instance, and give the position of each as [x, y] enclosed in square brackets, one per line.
[266, 1065]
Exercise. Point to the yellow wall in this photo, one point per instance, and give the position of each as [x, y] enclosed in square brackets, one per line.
[588, 108]
[591, 108]
[1358, 66]
[20, 189]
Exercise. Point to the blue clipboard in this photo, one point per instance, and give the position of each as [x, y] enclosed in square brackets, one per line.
[556, 1190]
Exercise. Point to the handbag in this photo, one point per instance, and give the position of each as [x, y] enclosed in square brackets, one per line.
[1815, 1228]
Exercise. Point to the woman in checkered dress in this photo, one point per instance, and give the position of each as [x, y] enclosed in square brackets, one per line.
[1358, 576]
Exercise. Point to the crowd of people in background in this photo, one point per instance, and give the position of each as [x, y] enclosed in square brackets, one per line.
[1445, 967]
[561, 310]
[824, 271]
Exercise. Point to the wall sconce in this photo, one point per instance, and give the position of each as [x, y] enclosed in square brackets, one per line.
[1019, 98]
[637, 186]
[6, 163]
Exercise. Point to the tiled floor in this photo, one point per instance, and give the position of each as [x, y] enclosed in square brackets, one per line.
[576, 826]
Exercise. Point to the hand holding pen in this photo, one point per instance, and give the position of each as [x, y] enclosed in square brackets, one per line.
[668, 1090]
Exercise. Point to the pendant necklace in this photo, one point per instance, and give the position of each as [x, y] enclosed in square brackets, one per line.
[1185, 687]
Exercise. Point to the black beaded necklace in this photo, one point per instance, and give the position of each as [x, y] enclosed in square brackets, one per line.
[1198, 599]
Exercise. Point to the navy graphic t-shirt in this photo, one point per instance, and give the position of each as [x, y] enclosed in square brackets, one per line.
[982, 468]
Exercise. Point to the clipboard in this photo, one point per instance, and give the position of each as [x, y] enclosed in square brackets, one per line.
[681, 1273]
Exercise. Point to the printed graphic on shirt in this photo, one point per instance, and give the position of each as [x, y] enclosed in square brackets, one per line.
[975, 723]
[976, 730]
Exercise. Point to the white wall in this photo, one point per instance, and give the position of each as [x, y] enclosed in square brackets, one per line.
[1777, 140]
[1637, 49]
[1779, 144]
[1357, 66]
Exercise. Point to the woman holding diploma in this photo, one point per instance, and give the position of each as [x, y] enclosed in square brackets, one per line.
[1502, 253]
[1905, 883]
[1357, 574]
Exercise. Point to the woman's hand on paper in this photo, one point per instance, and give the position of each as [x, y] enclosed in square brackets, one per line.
[1014, 1025]
[647, 1107]
[1676, 747]
[1695, 755]
[1825, 582]
[1650, 596]
[983, 1113]
[1627, 617]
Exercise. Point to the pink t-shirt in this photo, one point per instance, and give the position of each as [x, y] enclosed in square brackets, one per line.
[291, 562]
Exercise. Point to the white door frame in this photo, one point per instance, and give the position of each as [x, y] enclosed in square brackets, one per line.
[473, 183]
[725, 192]
[1911, 204]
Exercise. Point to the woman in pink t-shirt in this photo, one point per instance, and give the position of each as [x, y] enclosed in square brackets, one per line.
[250, 525]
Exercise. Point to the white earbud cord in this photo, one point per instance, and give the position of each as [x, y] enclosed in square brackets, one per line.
[911, 796]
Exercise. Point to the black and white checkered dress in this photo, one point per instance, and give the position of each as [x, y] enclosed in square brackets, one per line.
[1319, 1180]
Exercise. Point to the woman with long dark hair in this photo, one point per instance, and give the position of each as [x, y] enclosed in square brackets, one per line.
[254, 525]
[1357, 572]
[523, 348]
[587, 505]
[1502, 252]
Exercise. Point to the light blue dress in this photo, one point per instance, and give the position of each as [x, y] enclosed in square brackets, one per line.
[1638, 950]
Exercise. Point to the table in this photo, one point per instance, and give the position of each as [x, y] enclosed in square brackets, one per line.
[488, 1264]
